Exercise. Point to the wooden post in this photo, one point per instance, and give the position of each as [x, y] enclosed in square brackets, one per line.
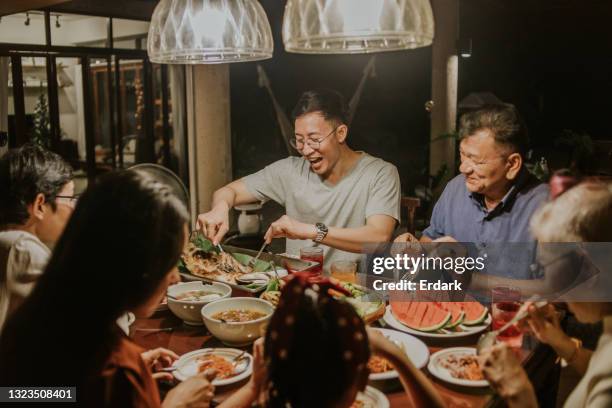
[208, 130]
[444, 87]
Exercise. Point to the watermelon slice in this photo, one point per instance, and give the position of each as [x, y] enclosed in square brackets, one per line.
[475, 313]
[422, 316]
[457, 313]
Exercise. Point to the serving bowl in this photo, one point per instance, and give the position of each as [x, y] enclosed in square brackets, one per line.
[237, 333]
[189, 310]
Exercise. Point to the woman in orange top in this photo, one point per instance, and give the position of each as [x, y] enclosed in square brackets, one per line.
[118, 253]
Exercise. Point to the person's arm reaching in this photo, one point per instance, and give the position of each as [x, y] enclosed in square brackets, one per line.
[419, 388]
[267, 184]
[252, 390]
[215, 223]
[378, 228]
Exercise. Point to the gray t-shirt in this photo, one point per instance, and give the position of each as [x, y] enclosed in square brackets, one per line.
[372, 187]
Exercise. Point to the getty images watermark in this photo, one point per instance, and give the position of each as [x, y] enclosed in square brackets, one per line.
[409, 265]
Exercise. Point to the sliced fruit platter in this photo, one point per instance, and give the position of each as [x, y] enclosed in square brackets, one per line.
[367, 304]
[438, 319]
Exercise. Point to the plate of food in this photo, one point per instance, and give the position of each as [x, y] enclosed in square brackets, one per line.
[457, 365]
[370, 398]
[202, 261]
[438, 319]
[232, 365]
[415, 349]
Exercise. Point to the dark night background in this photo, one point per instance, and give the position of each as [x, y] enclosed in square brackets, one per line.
[552, 59]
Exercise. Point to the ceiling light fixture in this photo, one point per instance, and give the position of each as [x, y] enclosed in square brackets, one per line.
[356, 26]
[209, 32]
[57, 23]
[27, 21]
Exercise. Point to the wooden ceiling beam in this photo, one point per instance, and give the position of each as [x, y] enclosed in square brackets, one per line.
[128, 9]
[17, 6]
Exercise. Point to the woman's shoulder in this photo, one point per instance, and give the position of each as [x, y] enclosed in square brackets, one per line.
[126, 378]
[126, 355]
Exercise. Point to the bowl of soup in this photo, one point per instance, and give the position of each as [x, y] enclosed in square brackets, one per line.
[237, 321]
[185, 300]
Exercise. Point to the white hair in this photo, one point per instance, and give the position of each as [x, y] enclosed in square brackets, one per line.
[582, 213]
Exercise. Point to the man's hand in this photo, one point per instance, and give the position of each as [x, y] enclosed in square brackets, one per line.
[446, 238]
[406, 237]
[160, 358]
[286, 227]
[195, 392]
[215, 223]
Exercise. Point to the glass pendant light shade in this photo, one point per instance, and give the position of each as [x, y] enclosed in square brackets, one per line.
[356, 26]
[209, 32]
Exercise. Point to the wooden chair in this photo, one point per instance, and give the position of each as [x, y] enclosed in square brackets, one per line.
[411, 204]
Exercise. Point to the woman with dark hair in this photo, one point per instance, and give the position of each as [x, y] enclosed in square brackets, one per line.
[316, 352]
[118, 253]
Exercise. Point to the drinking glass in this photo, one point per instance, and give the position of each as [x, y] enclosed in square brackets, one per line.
[345, 271]
[505, 302]
[314, 254]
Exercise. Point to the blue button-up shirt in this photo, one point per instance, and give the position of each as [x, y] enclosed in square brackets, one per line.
[464, 216]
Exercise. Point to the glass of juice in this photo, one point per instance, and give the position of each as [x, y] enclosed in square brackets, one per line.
[314, 254]
[505, 302]
[345, 271]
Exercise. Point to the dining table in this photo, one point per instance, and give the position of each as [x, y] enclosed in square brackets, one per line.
[163, 329]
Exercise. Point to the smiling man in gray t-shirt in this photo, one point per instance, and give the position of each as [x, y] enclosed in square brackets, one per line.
[332, 194]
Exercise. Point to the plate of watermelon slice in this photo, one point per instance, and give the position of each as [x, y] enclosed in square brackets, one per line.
[438, 319]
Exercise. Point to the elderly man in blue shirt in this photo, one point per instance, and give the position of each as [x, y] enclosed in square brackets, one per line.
[494, 197]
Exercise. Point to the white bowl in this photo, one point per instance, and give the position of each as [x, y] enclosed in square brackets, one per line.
[237, 333]
[189, 310]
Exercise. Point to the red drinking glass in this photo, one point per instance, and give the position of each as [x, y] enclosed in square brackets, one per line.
[506, 301]
[314, 254]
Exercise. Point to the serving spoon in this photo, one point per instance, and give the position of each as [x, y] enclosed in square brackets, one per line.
[489, 339]
[253, 261]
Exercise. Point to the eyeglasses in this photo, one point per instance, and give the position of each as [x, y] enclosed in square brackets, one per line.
[72, 200]
[465, 159]
[315, 144]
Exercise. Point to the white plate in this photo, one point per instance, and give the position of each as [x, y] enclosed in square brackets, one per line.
[187, 365]
[414, 348]
[373, 398]
[435, 367]
[444, 334]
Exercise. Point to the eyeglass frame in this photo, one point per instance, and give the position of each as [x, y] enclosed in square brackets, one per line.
[472, 163]
[72, 199]
[293, 141]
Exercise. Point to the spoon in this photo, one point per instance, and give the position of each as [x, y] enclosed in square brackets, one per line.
[489, 339]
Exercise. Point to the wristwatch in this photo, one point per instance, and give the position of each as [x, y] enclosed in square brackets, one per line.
[321, 232]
